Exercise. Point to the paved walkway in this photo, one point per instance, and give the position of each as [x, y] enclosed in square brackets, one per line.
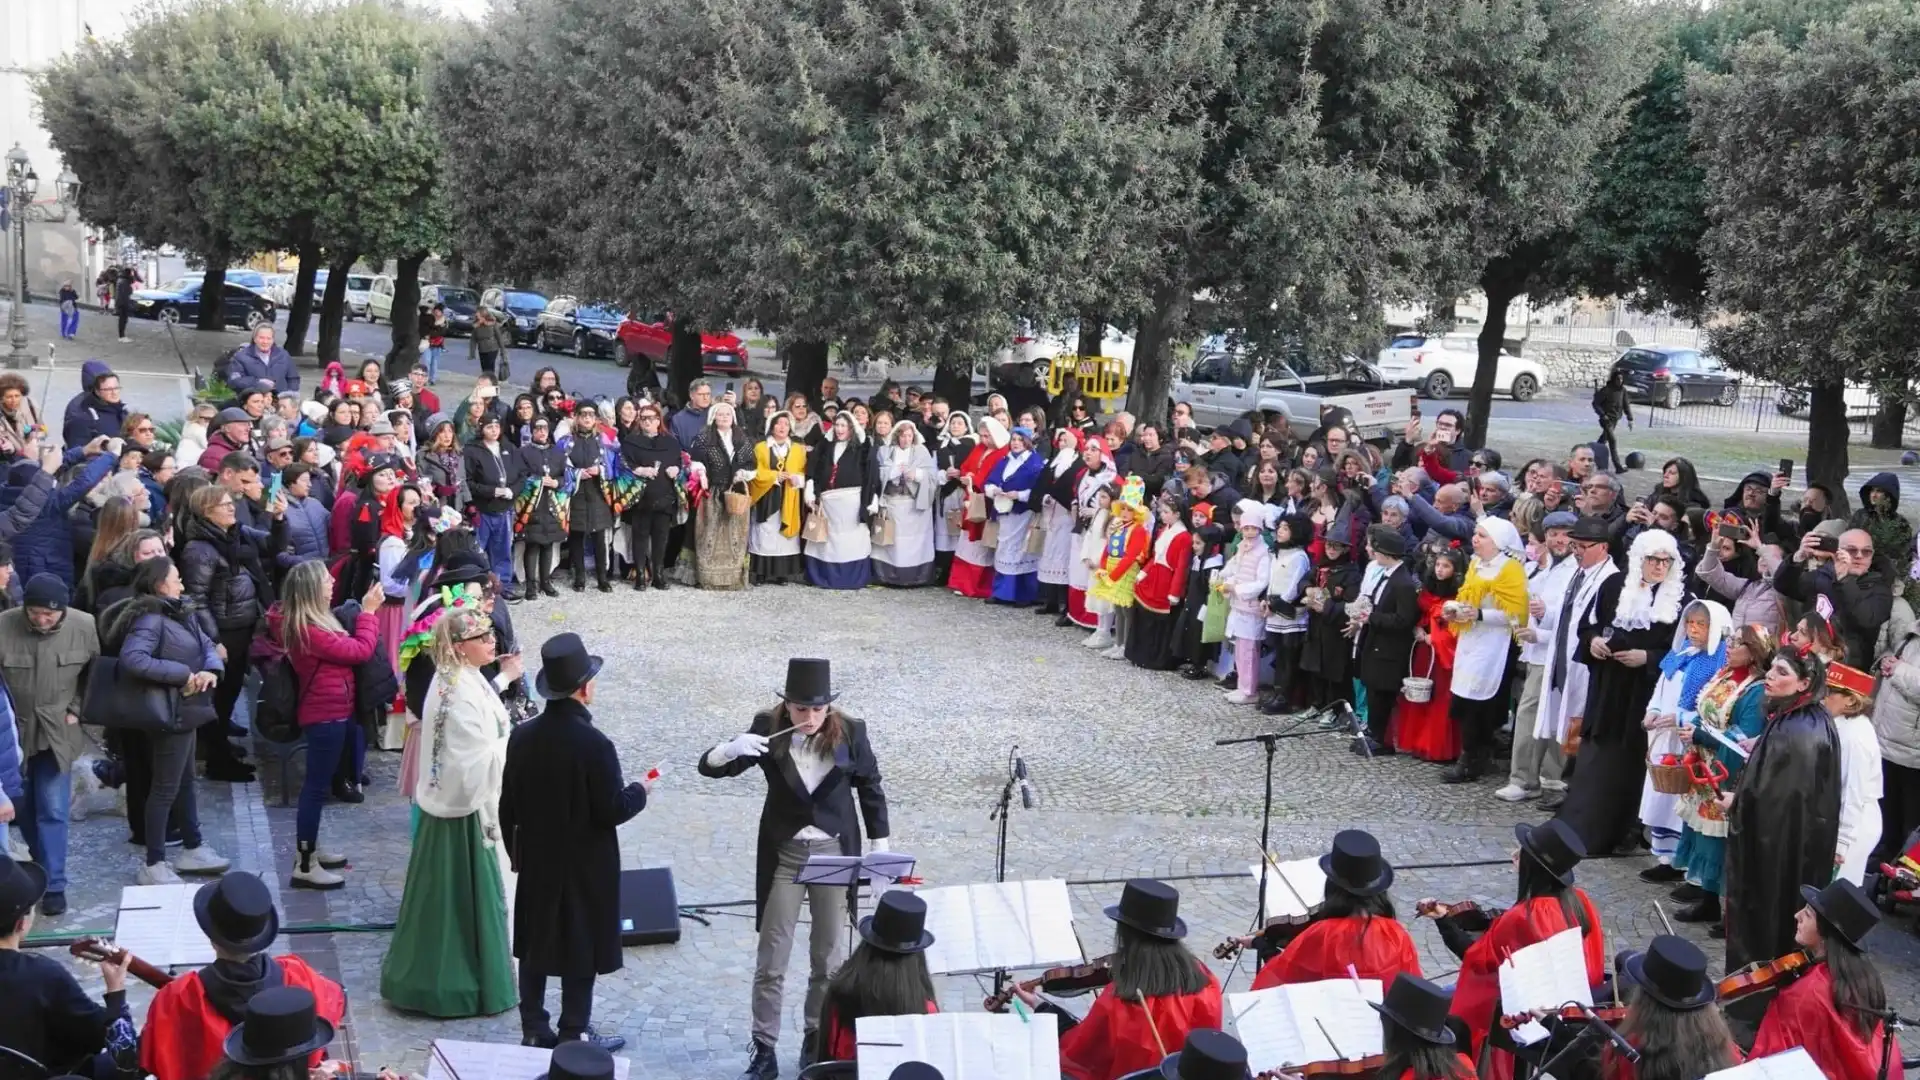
[1124, 762]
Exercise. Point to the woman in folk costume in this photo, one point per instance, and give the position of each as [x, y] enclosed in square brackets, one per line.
[593, 463]
[950, 453]
[1623, 639]
[1111, 590]
[908, 489]
[839, 489]
[779, 477]
[724, 454]
[1490, 606]
[1059, 483]
[540, 508]
[1850, 702]
[1548, 902]
[1160, 590]
[972, 574]
[1091, 509]
[1243, 581]
[1733, 704]
[1426, 729]
[450, 955]
[400, 536]
[1836, 1010]
[1699, 652]
[1012, 491]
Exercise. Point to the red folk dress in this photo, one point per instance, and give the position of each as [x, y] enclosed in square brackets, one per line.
[1164, 582]
[1377, 948]
[1117, 1038]
[969, 578]
[1425, 729]
[1523, 924]
[1803, 1015]
[184, 1038]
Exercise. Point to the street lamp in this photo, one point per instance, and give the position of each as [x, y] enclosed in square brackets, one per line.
[22, 185]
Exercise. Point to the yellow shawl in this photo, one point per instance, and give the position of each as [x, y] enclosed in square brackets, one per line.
[766, 474]
[1508, 587]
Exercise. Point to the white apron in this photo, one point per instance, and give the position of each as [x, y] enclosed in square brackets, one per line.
[912, 534]
[847, 537]
[1062, 549]
[1011, 556]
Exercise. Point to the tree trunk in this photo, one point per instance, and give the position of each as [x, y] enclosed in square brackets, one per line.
[953, 382]
[457, 270]
[1890, 424]
[406, 315]
[1093, 333]
[333, 308]
[1827, 442]
[806, 366]
[1500, 293]
[683, 361]
[1150, 387]
[213, 289]
[300, 311]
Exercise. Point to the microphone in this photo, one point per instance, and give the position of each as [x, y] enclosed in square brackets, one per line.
[1027, 799]
[1619, 1042]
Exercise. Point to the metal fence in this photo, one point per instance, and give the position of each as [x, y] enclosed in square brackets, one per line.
[1607, 334]
[1767, 407]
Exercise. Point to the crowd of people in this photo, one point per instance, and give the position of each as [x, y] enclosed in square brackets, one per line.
[1732, 690]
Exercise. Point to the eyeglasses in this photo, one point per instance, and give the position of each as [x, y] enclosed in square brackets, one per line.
[1595, 487]
[484, 635]
[1662, 560]
[143, 429]
[1859, 552]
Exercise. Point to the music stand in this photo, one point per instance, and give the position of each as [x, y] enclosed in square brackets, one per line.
[851, 871]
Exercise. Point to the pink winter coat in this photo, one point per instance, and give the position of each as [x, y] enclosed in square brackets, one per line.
[323, 666]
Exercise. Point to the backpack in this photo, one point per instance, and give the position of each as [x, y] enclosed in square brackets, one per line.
[276, 718]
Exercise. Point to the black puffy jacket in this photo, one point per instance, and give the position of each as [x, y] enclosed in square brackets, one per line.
[660, 451]
[214, 566]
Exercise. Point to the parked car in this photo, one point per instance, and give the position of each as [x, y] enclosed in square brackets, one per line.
[1860, 400]
[1300, 391]
[1440, 365]
[1036, 348]
[649, 335]
[355, 304]
[462, 305]
[179, 300]
[252, 279]
[581, 328]
[1669, 375]
[518, 309]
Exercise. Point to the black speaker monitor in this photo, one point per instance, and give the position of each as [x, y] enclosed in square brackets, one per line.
[649, 908]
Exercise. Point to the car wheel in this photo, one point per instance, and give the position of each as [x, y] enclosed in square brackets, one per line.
[169, 314]
[621, 357]
[580, 345]
[257, 319]
[1042, 371]
[540, 341]
[1524, 387]
[1669, 398]
[1438, 385]
[1728, 394]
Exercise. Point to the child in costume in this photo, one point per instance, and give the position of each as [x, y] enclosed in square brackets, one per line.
[1111, 589]
[1093, 546]
[1244, 581]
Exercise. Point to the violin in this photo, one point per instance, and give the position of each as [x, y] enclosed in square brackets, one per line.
[1283, 929]
[1764, 975]
[1357, 1067]
[1434, 909]
[1610, 1014]
[1064, 981]
[106, 952]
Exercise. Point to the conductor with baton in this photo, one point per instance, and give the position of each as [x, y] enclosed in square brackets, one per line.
[816, 760]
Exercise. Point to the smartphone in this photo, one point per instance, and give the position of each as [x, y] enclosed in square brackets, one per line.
[1732, 532]
[1786, 467]
[273, 487]
[729, 386]
[1828, 544]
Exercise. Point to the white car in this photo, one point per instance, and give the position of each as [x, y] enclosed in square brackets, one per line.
[1441, 365]
[355, 304]
[1038, 348]
[380, 297]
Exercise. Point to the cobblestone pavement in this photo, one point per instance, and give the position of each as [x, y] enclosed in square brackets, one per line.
[1130, 784]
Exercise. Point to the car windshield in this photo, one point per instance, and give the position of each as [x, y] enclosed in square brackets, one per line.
[458, 296]
[597, 311]
[1407, 341]
[525, 300]
[180, 285]
[1642, 358]
[359, 282]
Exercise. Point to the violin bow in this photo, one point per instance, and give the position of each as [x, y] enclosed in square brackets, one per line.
[1153, 1027]
[1662, 912]
[1277, 872]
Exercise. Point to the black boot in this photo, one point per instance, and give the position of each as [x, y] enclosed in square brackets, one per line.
[763, 1065]
[1471, 766]
[546, 571]
[1662, 874]
[1706, 910]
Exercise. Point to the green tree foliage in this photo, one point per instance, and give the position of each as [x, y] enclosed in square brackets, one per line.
[1814, 242]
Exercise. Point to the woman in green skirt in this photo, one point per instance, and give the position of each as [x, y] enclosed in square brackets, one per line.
[450, 955]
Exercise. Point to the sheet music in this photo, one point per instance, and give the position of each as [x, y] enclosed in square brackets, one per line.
[1306, 879]
[1725, 740]
[1012, 925]
[963, 1046]
[495, 1061]
[156, 924]
[1546, 975]
[1282, 1025]
[1794, 1064]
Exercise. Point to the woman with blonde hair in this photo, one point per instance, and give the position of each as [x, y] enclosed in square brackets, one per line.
[450, 955]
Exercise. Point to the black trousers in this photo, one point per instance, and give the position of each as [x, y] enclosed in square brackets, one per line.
[226, 692]
[576, 1003]
[650, 530]
[1899, 808]
[577, 544]
[539, 560]
[1286, 663]
[1381, 701]
[1613, 447]
[123, 313]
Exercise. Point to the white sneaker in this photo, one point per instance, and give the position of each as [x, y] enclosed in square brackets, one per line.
[1100, 641]
[1118, 652]
[1514, 793]
[200, 860]
[157, 874]
[332, 860]
[318, 877]
[126, 339]
[1236, 697]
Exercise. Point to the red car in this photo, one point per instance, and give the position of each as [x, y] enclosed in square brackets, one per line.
[723, 353]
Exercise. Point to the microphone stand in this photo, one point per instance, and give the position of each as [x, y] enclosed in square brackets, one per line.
[1001, 813]
[1269, 740]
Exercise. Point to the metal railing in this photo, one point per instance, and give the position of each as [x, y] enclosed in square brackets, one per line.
[1760, 406]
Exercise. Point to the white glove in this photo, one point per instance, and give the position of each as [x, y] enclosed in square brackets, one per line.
[744, 745]
[879, 843]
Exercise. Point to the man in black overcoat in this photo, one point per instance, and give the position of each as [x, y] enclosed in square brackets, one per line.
[1385, 640]
[561, 800]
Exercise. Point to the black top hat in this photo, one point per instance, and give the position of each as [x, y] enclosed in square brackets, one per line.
[898, 924]
[915, 1070]
[809, 682]
[21, 886]
[280, 1025]
[1673, 971]
[237, 913]
[1554, 845]
[1386, 540]
[1355, 864]
[1207, 1055]
[579, 1060]
[1845, 907]
[462, 567]
[1420, 1007]
[1592, 529]
[565, 666]
[1152, 907]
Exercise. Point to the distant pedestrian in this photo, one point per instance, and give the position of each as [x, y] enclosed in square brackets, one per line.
[69, 310]
[1610, 403]
[487, 341]
[124, 282]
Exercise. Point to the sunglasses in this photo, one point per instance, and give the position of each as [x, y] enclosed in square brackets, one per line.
[1859, 552]
[484, 635]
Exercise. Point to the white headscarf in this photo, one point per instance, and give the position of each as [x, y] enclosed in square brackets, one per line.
[996, 432]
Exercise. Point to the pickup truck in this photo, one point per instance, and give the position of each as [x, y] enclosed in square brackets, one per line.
[1223, 386]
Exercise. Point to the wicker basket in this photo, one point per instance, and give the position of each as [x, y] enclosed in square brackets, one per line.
[1418, 688]
[1669, 778]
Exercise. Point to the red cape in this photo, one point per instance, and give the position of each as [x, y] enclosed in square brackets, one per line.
[1377, 948]
[1523, 924]
[184, 1038]
[1803, 1015]
[1117, 1038]
[979, 464]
